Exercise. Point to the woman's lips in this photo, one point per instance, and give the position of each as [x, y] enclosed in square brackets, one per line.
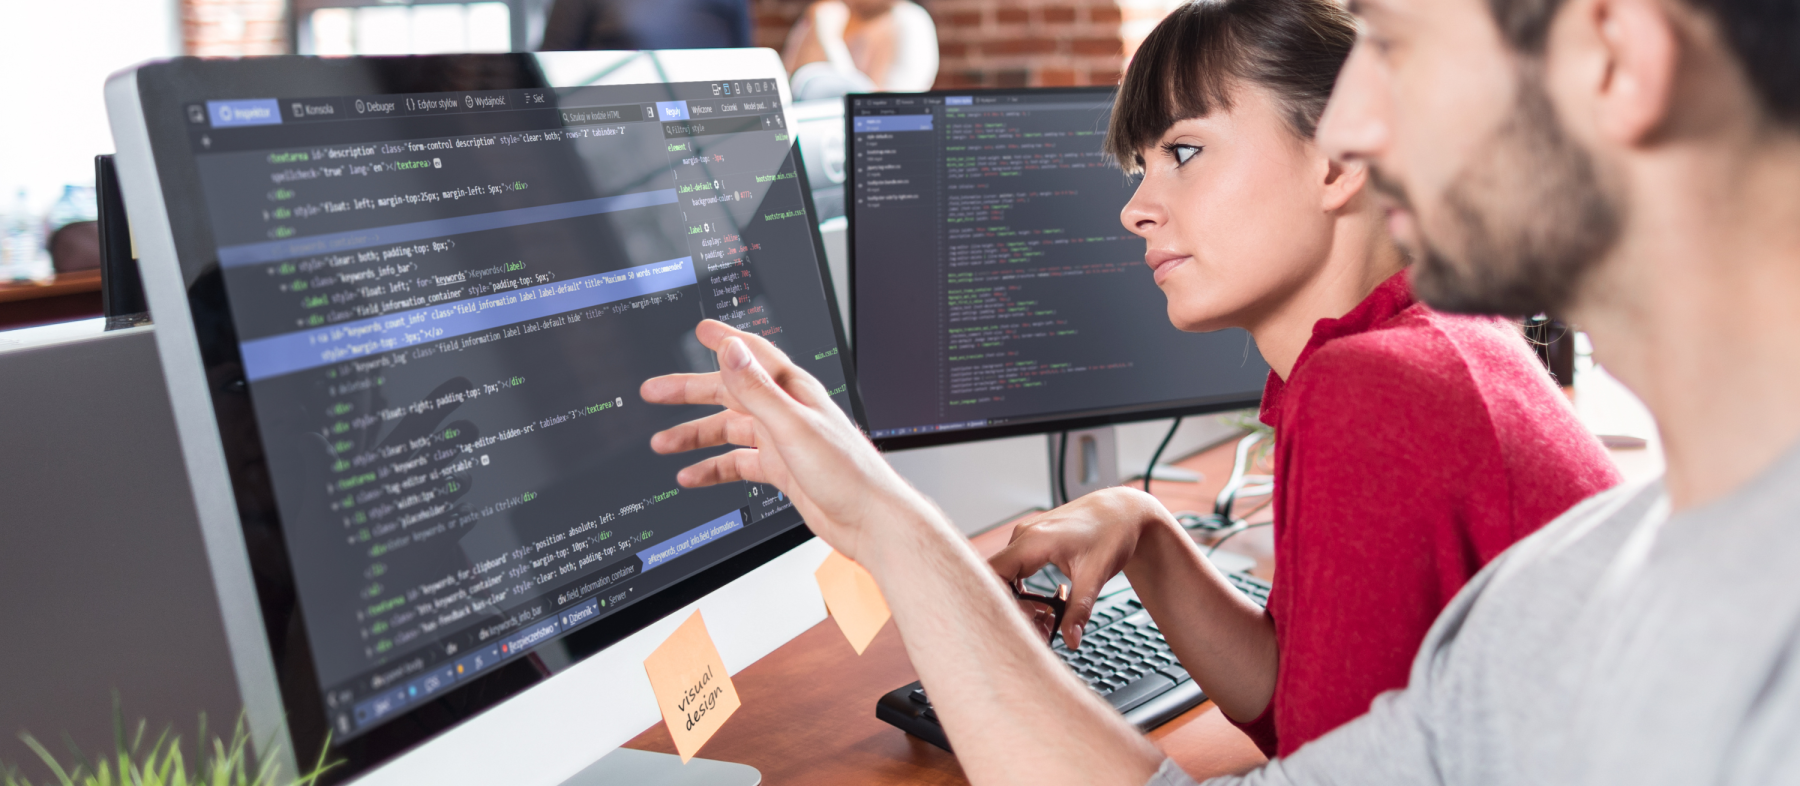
[1163, 263]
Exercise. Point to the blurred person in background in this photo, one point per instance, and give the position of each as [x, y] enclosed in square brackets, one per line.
[647, 24]
[854, 46]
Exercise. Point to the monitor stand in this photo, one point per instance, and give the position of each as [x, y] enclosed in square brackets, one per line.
[1088, 463]
[627, 767]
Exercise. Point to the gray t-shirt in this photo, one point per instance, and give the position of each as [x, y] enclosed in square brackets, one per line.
[1618, 645]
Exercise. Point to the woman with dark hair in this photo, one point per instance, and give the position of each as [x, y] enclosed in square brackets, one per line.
[1411, 446]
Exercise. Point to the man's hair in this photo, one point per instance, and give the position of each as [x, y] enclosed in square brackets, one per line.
[1764, 34]
[1186, 67]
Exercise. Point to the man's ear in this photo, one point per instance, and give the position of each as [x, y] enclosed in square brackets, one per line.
[1343, 181]
[1637, 51]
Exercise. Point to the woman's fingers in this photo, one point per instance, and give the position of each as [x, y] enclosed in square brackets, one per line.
[1077, 545]
[1082, 598]
[1024, 527]
[1018, 560]
[720, 428]
[1030, 550]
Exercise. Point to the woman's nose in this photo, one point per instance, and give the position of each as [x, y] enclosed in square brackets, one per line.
[1143, 213]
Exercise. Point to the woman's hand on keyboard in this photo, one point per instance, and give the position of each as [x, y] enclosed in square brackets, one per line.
[1091, 539]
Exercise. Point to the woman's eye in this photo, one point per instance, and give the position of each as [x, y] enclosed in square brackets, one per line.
[1185, 152]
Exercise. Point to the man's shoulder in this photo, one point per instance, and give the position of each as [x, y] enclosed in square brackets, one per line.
[1617, 507]
[1705, 599]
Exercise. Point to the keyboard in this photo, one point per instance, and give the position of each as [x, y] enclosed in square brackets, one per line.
[1123, 657]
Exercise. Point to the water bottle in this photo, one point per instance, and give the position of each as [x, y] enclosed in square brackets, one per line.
[9, 256]
[6, 246]
[78, 203]
[23, 244]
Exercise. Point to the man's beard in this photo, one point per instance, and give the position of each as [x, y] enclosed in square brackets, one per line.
[1528, 217]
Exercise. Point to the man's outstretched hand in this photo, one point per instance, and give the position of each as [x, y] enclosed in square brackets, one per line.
[788, 432]
[1014, 711]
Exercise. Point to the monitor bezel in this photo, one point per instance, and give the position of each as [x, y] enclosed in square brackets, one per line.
[282, 691]
[1045, 424]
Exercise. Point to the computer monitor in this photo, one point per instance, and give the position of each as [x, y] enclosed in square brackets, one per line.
[994, 291]
[405, 306]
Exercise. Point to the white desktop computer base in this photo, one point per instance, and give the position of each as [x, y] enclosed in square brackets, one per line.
[564, 725]
[627, 767]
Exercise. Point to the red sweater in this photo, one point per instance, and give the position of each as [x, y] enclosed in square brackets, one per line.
[1411, 448]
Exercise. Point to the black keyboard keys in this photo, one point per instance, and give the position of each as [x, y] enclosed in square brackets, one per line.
[1138, 691]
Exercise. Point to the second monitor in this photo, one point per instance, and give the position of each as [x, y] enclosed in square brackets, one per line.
[995, 291]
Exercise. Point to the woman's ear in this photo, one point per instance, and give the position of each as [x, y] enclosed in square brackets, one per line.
[1343, 181]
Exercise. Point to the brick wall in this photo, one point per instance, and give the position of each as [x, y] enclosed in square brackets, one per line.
[1012, 43]
[981, 43]
[772, 20]
[227, 28]
[1139, 17]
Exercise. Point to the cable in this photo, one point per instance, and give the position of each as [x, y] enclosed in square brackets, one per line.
[1154, 457]
[1062, 468]
[1221, 541]
[1239, 467]
[1212, 522]
[1193, 519]
[1253, 511]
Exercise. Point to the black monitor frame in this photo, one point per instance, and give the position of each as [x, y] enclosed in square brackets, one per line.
[1047, 424]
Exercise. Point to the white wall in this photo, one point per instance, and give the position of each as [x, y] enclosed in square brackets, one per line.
[982, 484]
[55, 56]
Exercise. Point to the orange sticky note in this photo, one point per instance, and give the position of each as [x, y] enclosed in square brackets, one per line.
[692, 688]
[853, 600]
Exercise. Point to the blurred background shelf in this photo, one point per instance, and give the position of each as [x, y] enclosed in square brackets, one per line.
[61, 298]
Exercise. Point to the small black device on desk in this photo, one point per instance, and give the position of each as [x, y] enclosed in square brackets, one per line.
[1123, 657]
[121, 286]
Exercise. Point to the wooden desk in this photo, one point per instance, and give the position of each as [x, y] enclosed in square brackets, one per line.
[65, 297]
[809, 707]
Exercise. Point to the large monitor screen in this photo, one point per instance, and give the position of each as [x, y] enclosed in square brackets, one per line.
[995, 290]
[425, 315]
